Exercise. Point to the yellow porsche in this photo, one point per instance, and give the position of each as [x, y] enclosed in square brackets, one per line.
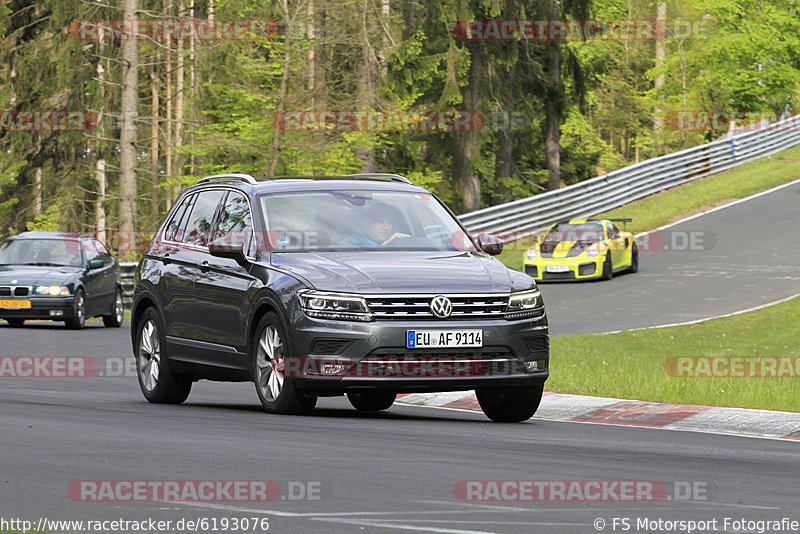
[582, 249]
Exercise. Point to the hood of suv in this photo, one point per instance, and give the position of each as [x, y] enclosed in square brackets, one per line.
[399, 271]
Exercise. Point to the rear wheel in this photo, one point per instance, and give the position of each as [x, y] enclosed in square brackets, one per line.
[78, 311]
[16, 322]
[372, 401]
[510, 405]
[156, 380]
[115, 318]
[634, 259]
[276, 391]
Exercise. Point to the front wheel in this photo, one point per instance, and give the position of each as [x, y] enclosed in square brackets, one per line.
[276, 391]
[115, 318]
[156, 380]
[78, 311]
[634, 259]
[510, 405]
[372, 401]
[608, 270]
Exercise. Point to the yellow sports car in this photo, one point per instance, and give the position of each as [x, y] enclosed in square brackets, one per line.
[582, 249]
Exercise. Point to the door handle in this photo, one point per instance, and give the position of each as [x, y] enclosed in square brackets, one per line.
[165, 258]
[204, 267]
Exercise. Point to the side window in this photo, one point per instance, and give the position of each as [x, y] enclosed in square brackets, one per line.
[90, 249]
[236, 223]
[103, 253]
[613, 231]
[172, 232]
[198, 228]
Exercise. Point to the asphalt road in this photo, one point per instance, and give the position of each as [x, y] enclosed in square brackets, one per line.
[733, 259]
[390, 472]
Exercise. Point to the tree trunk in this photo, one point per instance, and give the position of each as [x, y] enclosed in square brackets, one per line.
[170, 123]
[179, 94]
[129, 101]
[553, 111]
[37, 180]
[366, 87]
[272, 166]
[155, 216]
[505, 142]
[661, 54]
[466, 148]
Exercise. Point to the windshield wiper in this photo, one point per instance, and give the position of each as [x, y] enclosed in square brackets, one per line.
[45, 264]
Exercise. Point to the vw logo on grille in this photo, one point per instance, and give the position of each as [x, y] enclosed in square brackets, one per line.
[441, 307]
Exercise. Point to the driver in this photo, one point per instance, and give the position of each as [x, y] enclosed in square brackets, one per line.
[377, 228]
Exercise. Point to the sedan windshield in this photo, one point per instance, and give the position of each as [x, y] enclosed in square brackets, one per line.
[360, 220]
[44, 252]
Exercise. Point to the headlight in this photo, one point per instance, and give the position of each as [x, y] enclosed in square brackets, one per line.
[334, 306]
[593, 251]
[525, 304]
[531, 253]
[54, 291]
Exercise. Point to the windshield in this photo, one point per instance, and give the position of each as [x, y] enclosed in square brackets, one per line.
[45, 252]
[587, 233]
[359, 220]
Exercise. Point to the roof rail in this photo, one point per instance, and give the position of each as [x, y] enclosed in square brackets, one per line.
[241, 177]
[376, 175]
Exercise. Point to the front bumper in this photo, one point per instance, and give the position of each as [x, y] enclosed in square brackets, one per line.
[342, 356]
[42, 308]
[578, 268]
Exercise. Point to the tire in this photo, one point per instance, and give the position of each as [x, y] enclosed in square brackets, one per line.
[156, 380]
[78, 311]
[16, 323]
[634, 259]
[510, 405]
[608, 270]
[372, 401]
[276, 391]
[117, 315]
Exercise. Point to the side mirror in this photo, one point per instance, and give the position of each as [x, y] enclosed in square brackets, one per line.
[232, 251]
[96, 264]
[490, 244]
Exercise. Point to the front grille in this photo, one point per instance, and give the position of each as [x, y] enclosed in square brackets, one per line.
[532, 270]
[418, 307]
[558, 276]
[329, 346]
[17, 291]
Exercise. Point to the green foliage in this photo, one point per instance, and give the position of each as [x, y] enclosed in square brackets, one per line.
[49, 221]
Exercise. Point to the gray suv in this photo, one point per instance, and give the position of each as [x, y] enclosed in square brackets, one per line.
[364, 285]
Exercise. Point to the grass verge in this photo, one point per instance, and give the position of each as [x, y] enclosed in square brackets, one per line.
[634, 364]
[694, 197]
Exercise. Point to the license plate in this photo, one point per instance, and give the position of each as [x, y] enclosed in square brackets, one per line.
[557, 268]
[420, 339]
[15, 304]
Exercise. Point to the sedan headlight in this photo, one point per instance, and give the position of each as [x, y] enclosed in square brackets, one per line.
[531, 253]
[53, 291]
[525, 304]
[334, 306]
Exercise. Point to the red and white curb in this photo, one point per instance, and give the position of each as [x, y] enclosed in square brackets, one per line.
[585, 409]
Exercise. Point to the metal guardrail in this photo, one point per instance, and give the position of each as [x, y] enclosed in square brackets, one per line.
[126, 270]
[526, 216]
